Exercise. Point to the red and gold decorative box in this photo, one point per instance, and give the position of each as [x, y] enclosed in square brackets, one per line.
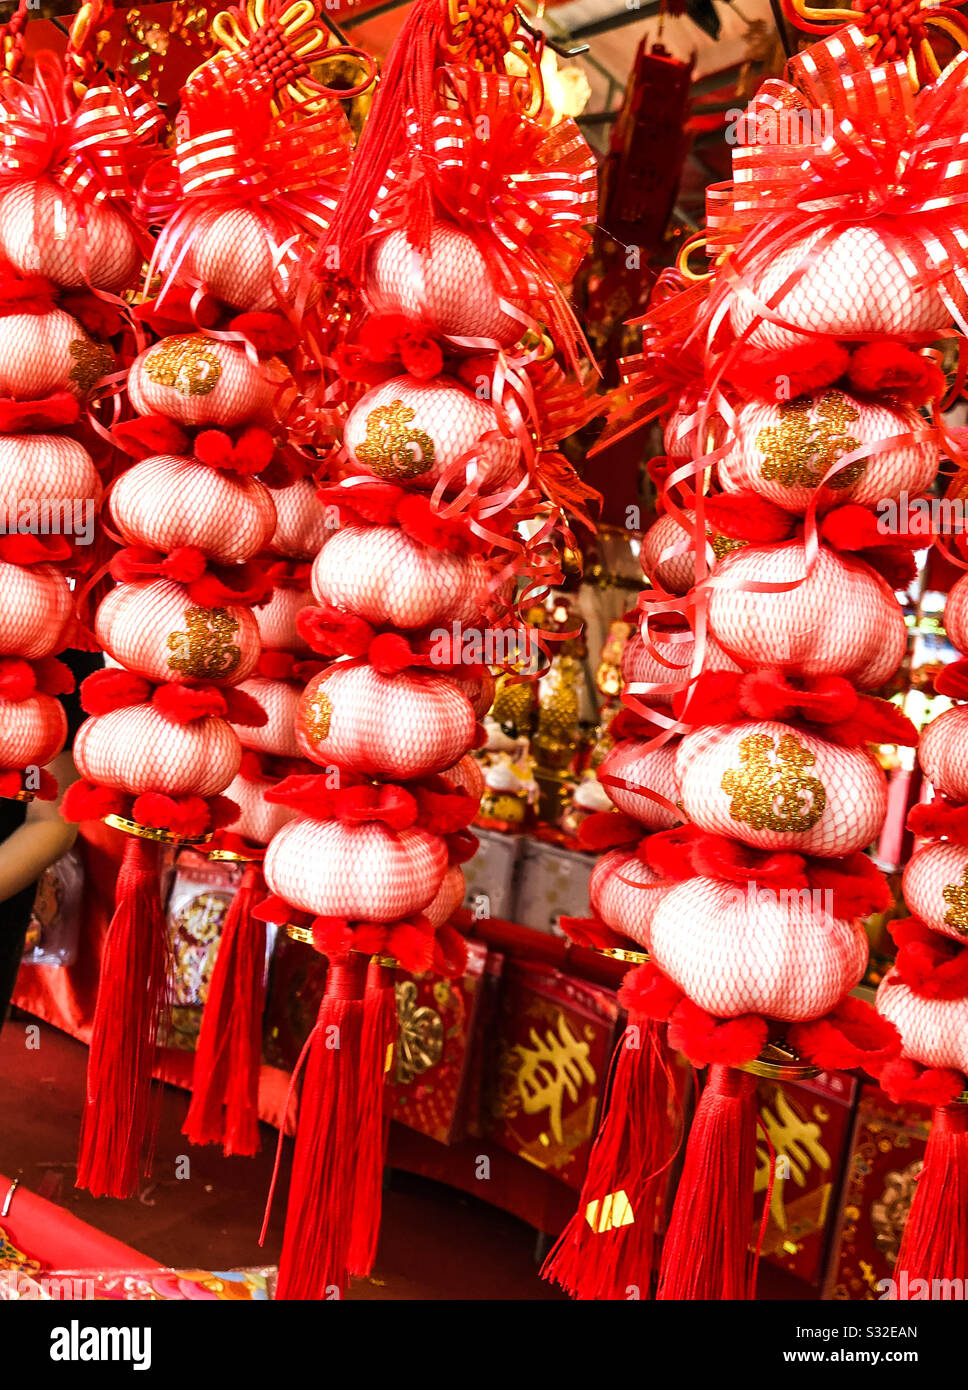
[808, 1124]
[886, 1154]
[553, 1041]
[438, 1020]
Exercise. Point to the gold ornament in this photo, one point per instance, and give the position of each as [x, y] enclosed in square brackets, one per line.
[204, 651]
[558, 710]
[420, 1040]
[608, 677]
[774, 795]
[392, 450]
[513, 706]
[195, 932]
[186, 365]
[799, 450]
[956, 896]
[504, 806]
[91, 362]
[318, 716]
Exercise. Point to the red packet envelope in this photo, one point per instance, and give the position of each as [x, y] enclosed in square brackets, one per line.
[808, 1124]
[886, 1152]
[553, 1043]
[437, 1022]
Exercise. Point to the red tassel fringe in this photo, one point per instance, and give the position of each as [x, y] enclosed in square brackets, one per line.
[117, 1122]
[935, 1241]
[606, 1249]
[379, 1032]
[706, 1253]
[315, 1249]
[225, 1084]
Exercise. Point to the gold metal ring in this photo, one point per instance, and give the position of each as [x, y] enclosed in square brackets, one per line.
[779, 1062]
[539, 342]
[152, 832]
[229, 856]
[620, 953]
[694, 243]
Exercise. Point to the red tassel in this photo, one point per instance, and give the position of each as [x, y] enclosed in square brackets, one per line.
[404, 94]
[935, 1241]
[706, 1253]
[315, 1248]
[225, 1084]
[376, 1054]
[116, 1125]
[606, 1249]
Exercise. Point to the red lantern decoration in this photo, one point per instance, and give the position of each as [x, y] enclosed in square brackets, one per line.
[161, 748]
[442, 457]
[804, 413]
[68, 242]
[925, 993]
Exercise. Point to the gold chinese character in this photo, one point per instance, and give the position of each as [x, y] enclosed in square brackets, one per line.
[204, 651]
[956, 896]
[774, 795]
[185, 364]
[91, 362]
[392, 450]
[796, 1147]
[799, 450]
[553, 1067]
[318, 716]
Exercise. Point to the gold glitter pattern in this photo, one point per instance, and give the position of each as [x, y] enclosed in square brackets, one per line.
[390, 449]
[772, 793]
[185, 364]
[724, 545]
[799, 450]
[318, 715]
[91, 362]
[956, 896]
[204, 651]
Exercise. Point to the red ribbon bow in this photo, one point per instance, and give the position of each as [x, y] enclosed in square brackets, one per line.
[851, 141]
[94, 147]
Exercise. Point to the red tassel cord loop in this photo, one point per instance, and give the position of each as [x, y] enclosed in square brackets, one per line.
[376, 1057]
[606, 1250]
[934, 1247]
[118, 1120]
[767, 1199]
[315, 1251]
[225, 1086]
[706, 1253]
